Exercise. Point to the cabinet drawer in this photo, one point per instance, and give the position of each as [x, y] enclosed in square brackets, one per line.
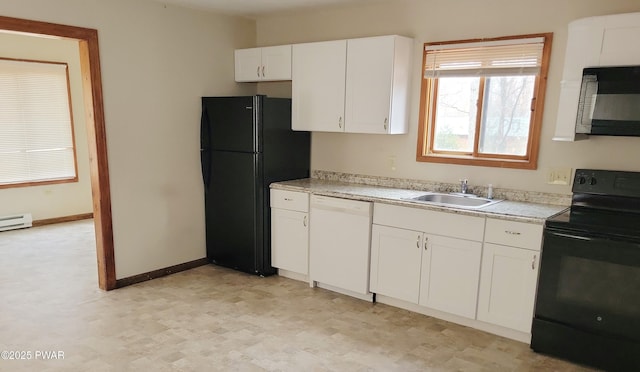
[431, 222]
[514, 234]
[292, 200]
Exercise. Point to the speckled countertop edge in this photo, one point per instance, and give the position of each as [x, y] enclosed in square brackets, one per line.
[506, 210]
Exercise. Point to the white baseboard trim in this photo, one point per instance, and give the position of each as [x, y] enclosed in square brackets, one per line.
[293, 275]
[472, 323]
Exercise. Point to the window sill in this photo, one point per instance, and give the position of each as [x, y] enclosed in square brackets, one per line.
[38, 183]
[481, 162]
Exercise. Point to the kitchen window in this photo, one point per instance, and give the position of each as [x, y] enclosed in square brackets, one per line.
[36, 128]
[482, 101]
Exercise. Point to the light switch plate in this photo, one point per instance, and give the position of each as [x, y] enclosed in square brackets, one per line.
[559, 176]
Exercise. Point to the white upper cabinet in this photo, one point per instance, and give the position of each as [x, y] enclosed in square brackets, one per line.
[263, 64]
[593, 42]
[377, 86]
[619, 45]
[317, 88]
[355, 86]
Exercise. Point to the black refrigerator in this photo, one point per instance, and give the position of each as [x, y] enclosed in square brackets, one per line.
[246, 143]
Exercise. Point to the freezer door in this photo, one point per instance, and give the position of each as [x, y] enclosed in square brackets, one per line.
[233, 201]
[232, 123]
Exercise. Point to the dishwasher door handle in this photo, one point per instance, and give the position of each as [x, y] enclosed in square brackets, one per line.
[359, 208]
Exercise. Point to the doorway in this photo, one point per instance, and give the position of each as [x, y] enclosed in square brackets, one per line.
[94, 111]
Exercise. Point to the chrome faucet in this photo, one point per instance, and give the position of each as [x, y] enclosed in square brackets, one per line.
[463, 186]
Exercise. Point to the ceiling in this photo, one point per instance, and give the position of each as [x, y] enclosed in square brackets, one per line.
[253, 8]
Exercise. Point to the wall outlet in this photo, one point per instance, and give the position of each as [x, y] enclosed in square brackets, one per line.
[392, 162]
[559, 176]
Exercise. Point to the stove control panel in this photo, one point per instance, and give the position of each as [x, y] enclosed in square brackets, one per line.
[604, 182]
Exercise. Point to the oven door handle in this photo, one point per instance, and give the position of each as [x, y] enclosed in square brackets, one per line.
[571, 236]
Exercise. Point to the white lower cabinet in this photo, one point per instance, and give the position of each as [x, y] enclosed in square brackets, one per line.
[450, 275]
[509, 274]
[290, 231]
[395, 262]
[481, 272]
[508, 286]
[290, 240]
[420, 266]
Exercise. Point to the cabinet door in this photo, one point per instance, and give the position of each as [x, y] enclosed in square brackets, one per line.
[395, 262]
[290, 240]
[508, 286]
[276, 63]
[617, 45]
[368, 84]
[248, 64]
[450, 275]
[317, 88]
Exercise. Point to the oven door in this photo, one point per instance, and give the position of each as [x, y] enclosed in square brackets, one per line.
[590, 283]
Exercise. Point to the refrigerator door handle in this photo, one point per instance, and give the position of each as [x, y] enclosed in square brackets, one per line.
[205, 159]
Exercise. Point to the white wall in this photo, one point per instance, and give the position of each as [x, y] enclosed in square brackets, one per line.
[441, 20]
[157, 61]
[59, 200]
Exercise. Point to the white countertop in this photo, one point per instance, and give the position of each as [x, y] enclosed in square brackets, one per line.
[507, 210]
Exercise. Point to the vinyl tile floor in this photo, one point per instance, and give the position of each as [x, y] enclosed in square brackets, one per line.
[214, 319]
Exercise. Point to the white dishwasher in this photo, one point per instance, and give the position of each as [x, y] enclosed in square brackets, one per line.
[339, 240]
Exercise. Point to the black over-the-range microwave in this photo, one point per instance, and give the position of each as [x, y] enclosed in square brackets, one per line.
[609, 101]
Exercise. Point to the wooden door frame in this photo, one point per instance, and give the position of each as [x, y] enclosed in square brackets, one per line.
[94, 114]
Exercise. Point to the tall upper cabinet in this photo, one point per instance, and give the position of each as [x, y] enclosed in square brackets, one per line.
[592, 42]
[355, 86]
[263, 64]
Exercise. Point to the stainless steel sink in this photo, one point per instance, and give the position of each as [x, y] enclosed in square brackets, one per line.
[454, 200]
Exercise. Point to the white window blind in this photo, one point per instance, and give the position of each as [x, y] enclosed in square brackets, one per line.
[36, 135]
[484, 58]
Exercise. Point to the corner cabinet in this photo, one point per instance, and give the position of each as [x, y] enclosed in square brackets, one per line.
[263, 64]
[290, 232]
[354, 86]
[509, 274]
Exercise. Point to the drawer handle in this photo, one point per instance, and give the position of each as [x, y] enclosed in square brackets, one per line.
[512, 232]
[287, 199]
[304, 221]
[533, 262]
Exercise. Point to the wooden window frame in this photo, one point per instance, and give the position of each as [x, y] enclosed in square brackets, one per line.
[60, 180]
[427, 113]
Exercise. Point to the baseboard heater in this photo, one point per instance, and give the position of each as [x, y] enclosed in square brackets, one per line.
[16, 221]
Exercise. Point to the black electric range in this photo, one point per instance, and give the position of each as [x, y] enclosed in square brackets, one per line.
[588, 297]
